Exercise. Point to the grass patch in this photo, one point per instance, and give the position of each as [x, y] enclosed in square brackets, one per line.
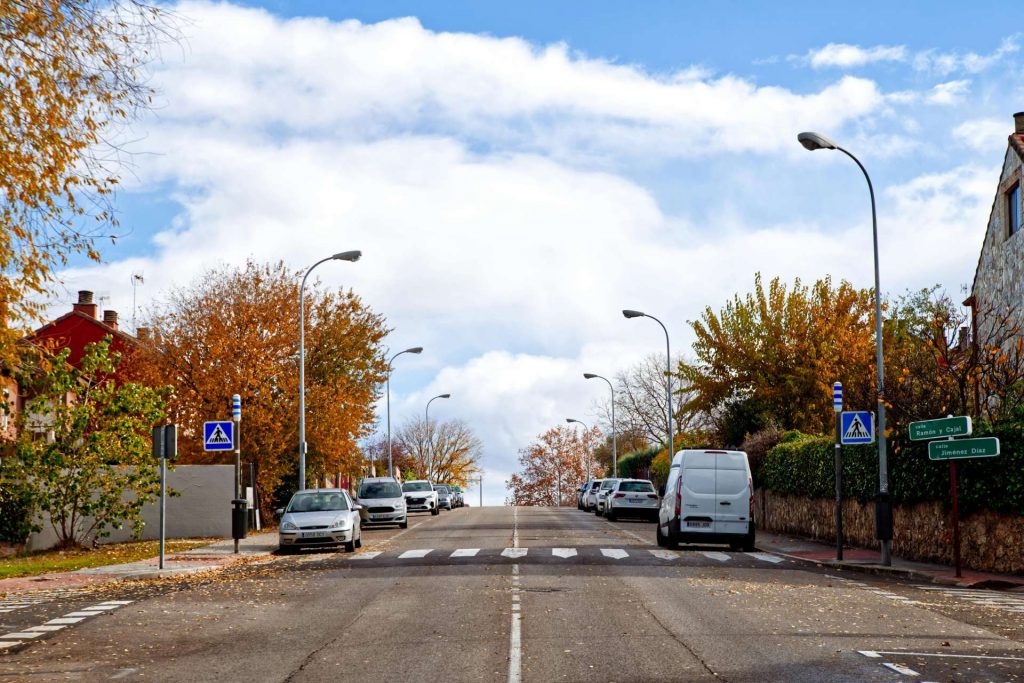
[46, 561]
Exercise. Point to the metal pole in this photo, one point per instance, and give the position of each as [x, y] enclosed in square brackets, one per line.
[668, 377]
[839, 488]
[883, 464]
[163, 506]
[236, 417]
[481, 490]
[302, 374]
[388, 383]
[956, 518]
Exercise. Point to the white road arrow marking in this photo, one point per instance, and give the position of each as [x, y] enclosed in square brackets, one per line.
[4, 644]
[900, 669]
[765, 557]
[564, 552]
[614, 553]
[465, 552]
[514, 552]
[414, 554]
[721, 557]
[665, 554]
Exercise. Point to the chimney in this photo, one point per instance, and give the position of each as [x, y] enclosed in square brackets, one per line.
[110, 319]
[85, 303]
[1018, 123]
[143, 334]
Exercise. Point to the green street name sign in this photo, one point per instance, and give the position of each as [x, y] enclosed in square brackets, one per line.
[985, 447]
[940, 429]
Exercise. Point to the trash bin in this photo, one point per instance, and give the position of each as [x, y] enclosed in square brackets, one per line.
[239, 518]
[883, 517]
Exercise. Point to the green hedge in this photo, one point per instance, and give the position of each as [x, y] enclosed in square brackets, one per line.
[804, 466]
[636, 463]
[15, 515]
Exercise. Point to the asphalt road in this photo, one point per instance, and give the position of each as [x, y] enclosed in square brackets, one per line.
[528, 594]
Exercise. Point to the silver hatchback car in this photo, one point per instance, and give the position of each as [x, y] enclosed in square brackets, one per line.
[382, 502]
[318, 518]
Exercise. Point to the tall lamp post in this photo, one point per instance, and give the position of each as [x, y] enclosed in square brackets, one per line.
[426, 417]
[615, 447]
[883, 506]
[590, 464]
[342, 256]
[414, 349]
[668, 376]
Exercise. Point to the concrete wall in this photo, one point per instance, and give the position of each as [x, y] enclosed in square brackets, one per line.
[201, 510]
[990, 541]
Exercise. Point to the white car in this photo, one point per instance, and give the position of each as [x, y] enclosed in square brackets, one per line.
[632, 498]
[602, 494]
[318, 518]
[590, 496]
[382, 502]
[420, 496]
[708, 499]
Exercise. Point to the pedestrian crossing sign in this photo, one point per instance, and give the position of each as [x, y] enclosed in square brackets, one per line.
[857, 427]
[218, 436]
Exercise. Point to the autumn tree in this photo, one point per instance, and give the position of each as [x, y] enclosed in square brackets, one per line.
[446, 451]
[84, 450]
[553, 466]
[70, 72]
[236, 330]
[772, 356]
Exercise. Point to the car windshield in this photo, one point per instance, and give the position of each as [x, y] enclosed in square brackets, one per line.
[607, 484]
[413, 486]
[637, 486]
[442, 489]
[595, 485]
[380, 489]
[317, 502]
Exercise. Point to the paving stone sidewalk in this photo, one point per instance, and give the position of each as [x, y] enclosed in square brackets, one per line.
[869, 561]
[217, 555]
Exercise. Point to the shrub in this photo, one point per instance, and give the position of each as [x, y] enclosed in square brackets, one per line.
[757, 445]
[15, 513]
[637, 464]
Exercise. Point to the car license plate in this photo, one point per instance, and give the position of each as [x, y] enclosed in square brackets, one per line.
[378, 515]
[639, 501]
[314, 534]
[699, 525]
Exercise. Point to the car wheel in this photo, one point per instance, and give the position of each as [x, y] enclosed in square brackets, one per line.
[750, 541]
[597, 511]
[435, 512]
[359, 539]
[662, 543]
[350, 547]
[403, 525]
[611, 515]
[285, 550]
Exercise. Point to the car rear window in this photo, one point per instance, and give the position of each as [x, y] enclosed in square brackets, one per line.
[442, 489]
[380, 489]
[637, 486]
[607, 484]
[413, 486]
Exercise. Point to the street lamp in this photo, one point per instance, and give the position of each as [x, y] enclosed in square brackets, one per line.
[342, 256]
[590, 464]
[426, 419]
[615, 448]
[414, 349]
[668, 375]
[883, 516]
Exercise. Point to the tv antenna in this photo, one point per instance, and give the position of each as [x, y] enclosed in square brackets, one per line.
[137, 280]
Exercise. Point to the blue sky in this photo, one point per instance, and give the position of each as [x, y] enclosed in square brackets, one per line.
[518, 173]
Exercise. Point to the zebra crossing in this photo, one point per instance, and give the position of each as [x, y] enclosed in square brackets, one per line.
[586, 553]
[14, 639]
[17, 601]
[1010, 602]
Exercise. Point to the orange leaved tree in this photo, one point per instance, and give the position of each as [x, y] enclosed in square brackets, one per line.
[553, 466]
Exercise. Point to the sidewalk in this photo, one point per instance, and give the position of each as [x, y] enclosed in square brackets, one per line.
[869, 561]
[217, 555]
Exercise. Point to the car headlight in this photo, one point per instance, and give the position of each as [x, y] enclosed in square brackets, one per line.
[340, 523]
[288, 526]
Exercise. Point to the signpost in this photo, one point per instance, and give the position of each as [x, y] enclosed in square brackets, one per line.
[952, 450]
[940, 429]
[165, 445]
[837, 405]
[857, 427]
[218, 435]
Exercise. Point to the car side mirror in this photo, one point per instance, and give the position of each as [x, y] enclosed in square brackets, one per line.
[279, 511]
[357, 508]
[661, 490]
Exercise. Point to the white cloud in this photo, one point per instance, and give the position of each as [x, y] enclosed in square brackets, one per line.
[951, 92]
[944, 63]
[984, 135]
[846, 56]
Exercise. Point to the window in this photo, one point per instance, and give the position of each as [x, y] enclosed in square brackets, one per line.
[1013, 210]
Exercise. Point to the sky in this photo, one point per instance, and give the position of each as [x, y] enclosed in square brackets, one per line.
[518, 173]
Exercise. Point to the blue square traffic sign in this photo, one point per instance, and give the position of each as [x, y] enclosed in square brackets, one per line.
[857, 427]
[219, 436]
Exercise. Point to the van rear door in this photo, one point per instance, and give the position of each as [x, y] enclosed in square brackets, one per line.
[732, 500]
[697, 471]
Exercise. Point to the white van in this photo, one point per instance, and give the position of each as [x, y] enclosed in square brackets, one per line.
[707, 499]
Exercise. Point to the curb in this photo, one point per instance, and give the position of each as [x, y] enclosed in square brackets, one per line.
[877, 570]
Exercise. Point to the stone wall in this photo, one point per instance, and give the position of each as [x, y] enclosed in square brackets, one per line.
[990, 541]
